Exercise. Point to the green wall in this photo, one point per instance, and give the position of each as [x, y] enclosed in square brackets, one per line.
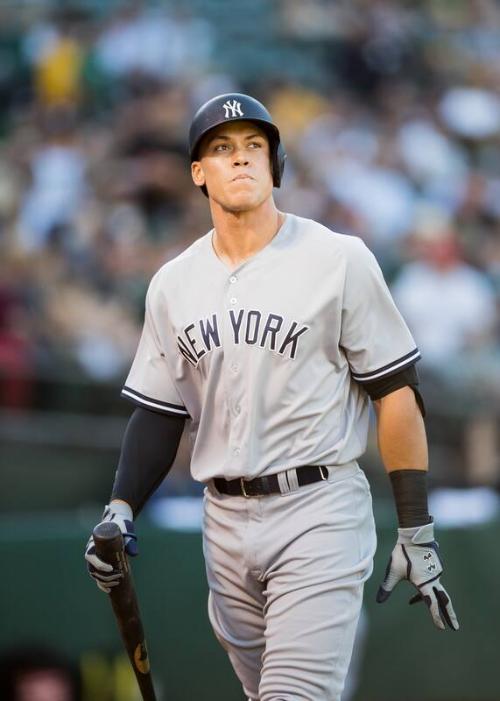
[46, 595]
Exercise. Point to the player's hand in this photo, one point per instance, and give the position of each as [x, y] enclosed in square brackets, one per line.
[105, 576]
[416, 558]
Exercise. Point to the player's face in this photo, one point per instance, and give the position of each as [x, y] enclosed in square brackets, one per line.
[235, 166]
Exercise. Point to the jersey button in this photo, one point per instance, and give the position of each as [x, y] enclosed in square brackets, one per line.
[235, 367]
[233, 300]
[237, 409]
[233, 279]
[236, 451]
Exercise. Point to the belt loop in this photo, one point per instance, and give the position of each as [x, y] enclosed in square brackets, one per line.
[293, 480]
[283, 483]
[242, 485]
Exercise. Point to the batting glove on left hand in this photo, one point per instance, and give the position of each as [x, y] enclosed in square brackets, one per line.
[416, 558]
[103, 573]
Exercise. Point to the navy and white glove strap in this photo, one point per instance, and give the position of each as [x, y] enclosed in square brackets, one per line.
[105, 576]
[416, 558]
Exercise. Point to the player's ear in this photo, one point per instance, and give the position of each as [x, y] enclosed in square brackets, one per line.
[197, 173]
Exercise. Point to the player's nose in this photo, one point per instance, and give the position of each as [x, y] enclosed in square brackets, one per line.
[241, 160]
[240, 156]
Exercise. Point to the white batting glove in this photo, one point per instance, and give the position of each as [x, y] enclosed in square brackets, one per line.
[416, 558]
[103, 573]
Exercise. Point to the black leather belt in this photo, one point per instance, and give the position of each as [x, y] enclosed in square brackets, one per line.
[260, 486]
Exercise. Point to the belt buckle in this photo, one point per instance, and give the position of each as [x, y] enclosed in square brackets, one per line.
[321, 472]
[242, 485]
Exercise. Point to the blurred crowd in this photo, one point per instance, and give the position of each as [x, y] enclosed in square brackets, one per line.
[394, 136]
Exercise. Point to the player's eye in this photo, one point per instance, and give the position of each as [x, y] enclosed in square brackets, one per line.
[255, 144]
[221, 147]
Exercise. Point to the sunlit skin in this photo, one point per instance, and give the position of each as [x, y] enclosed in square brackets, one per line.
[402, 440]
[234, 165]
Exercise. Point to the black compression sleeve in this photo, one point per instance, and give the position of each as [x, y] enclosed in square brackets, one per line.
[149, 447]
[410, 494]
[408, 377]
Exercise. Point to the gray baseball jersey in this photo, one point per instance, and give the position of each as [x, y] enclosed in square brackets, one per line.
[268, 360]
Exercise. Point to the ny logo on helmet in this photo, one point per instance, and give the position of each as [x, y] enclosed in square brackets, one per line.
[232, 109]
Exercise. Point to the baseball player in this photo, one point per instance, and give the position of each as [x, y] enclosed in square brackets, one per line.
[271, 334]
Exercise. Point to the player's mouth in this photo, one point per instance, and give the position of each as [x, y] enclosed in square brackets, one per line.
[243, 176]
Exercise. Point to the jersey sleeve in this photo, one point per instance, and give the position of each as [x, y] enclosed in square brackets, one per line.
[149, 383]
[374, 335]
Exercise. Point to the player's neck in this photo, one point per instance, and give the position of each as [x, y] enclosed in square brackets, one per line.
[240, 235]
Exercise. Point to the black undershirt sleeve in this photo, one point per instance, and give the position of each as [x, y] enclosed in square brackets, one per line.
[408, 377]
[148, 450]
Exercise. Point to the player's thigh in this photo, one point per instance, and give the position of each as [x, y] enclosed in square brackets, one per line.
[236, 600]
[240, 631]
[308, 648]
[314, 596]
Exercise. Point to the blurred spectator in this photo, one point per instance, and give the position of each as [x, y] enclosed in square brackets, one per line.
[37, 674]
[450, 309]
[99, 332]
[58, 183]
[471, 112]
[58, 70]
[436, 164]
[17, 356]
[448, 305]
[148, 42]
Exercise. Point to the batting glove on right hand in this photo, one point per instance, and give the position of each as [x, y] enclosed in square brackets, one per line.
[105, 576]
[416, 558]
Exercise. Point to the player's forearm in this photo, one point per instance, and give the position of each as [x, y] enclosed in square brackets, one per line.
[401, 432]
[403, 448]
[149, 447]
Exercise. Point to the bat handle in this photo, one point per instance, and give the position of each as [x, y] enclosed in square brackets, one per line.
[109, 547]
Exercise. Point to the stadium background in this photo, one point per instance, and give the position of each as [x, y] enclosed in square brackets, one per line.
[390, 114]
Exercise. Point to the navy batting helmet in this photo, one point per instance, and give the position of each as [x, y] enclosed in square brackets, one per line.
[236, 107]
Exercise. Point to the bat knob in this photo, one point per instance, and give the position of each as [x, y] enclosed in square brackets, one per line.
[108, 542]
[106, 530]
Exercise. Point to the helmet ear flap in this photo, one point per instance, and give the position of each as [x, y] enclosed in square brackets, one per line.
[279, 158]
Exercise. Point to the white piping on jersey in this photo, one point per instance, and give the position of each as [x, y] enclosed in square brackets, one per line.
[147, 402]
[366, 377]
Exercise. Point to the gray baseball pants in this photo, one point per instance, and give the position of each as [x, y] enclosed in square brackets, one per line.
[286, 575]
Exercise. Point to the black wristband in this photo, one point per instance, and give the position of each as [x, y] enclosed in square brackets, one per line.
[410, 495]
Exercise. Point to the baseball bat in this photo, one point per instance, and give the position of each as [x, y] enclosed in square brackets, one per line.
[109, 547]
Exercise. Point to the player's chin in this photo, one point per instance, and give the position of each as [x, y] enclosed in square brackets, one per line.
[242, 199]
